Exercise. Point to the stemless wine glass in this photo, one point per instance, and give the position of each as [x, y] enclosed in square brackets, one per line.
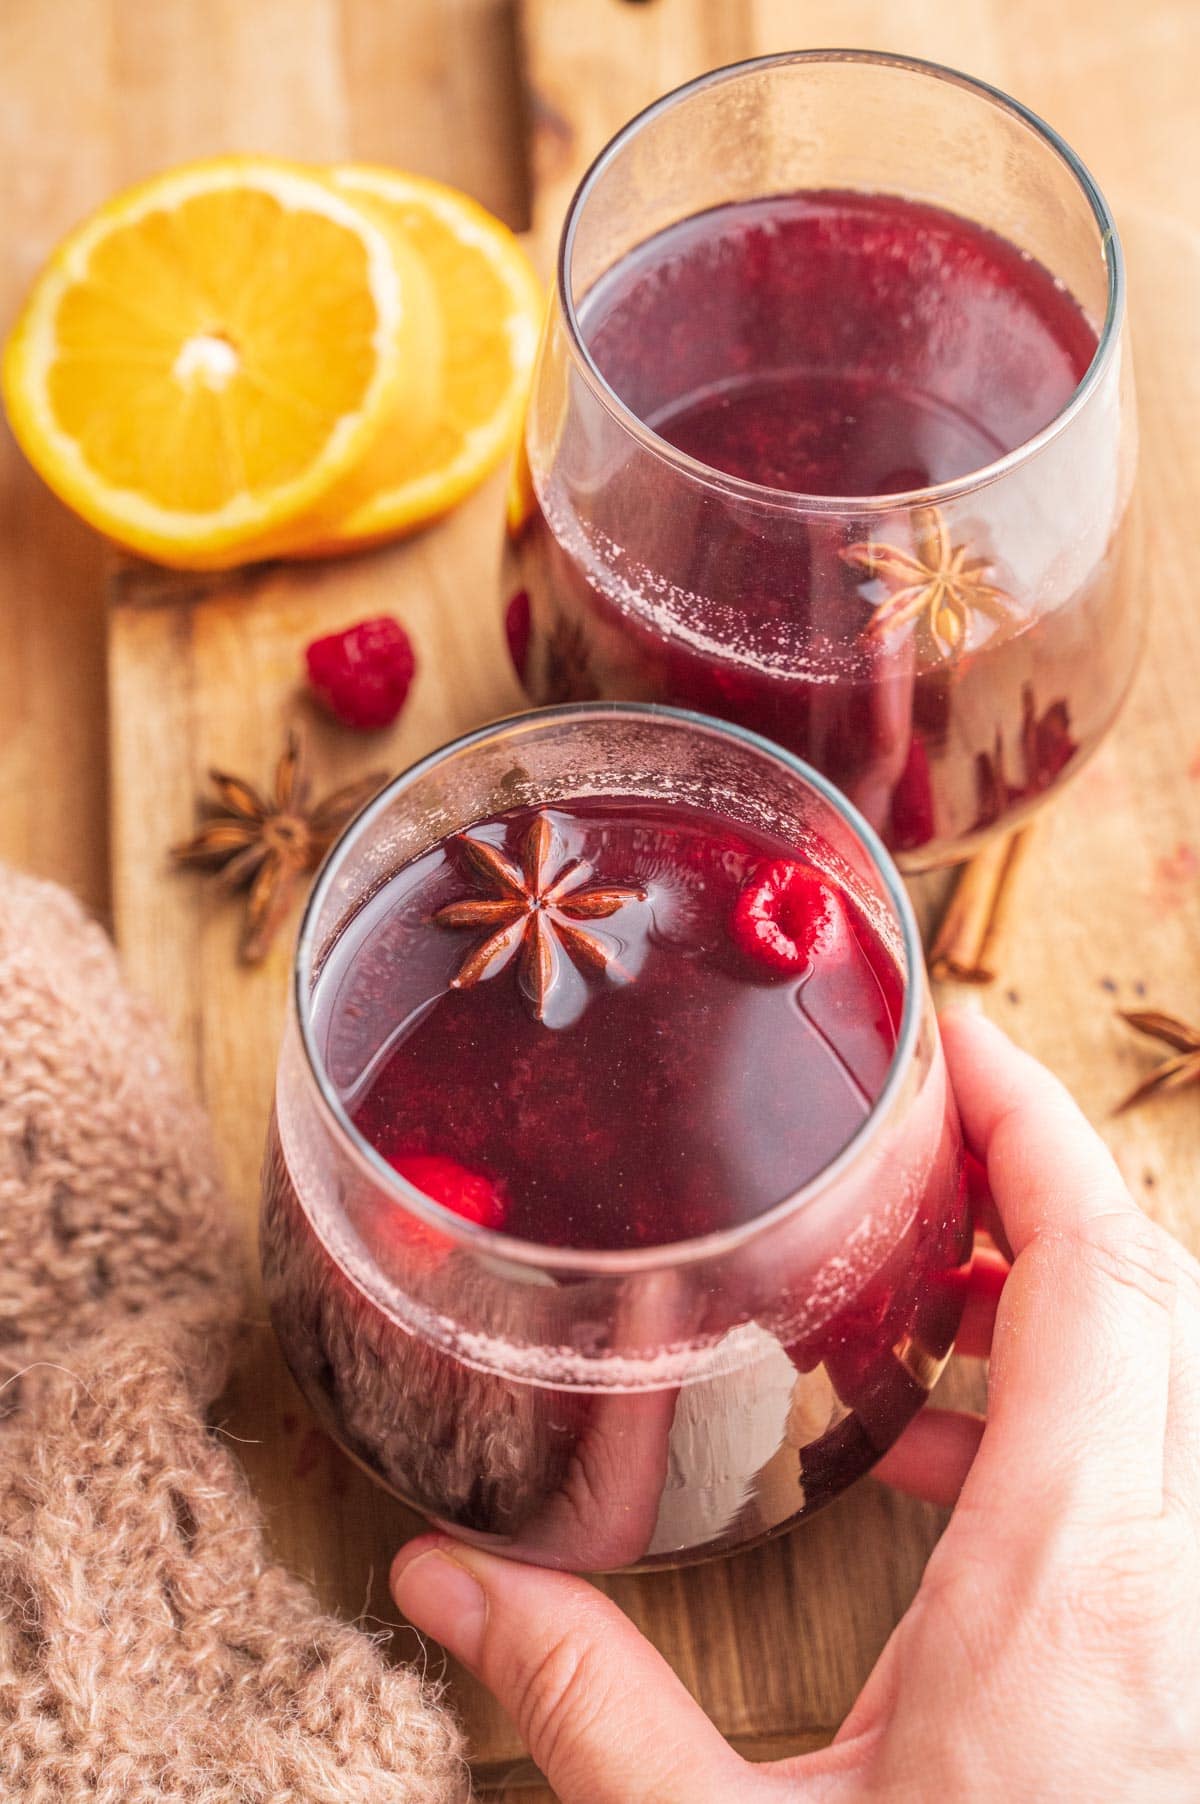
[633, 1407]
[951, 642]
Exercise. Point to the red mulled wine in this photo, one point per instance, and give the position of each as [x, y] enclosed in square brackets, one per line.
[640, 1089]
[604, 1025]
[944, 664]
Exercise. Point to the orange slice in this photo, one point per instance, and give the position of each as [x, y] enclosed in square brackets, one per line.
[490, 306]
[213, 351]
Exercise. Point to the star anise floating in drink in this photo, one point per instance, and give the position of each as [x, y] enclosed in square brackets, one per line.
[938, 582]
[265, 844]
[1175, 1073]
[533, 914]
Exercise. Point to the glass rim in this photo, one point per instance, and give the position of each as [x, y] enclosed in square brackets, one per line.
[795, 500]
[669, 1255]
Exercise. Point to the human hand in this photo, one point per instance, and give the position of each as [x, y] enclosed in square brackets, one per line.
[1052, 1649]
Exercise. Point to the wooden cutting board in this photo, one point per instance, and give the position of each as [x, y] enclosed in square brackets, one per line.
[202, 671]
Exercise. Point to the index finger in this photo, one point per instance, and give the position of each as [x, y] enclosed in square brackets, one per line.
[604, 1515]
[1081, 1359]
[1020, 1123]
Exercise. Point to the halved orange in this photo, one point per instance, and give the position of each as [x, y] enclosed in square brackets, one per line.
[213, 351]
[489, 302]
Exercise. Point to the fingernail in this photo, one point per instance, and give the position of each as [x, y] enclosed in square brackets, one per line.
[441, 1597]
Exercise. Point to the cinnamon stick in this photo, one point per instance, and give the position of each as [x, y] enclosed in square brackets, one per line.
[969, 942]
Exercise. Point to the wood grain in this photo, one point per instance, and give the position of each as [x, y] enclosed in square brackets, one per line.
[56, 163]
[776, 1643]
[96, 92]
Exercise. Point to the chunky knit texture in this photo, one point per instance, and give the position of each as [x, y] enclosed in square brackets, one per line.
[149, 1648]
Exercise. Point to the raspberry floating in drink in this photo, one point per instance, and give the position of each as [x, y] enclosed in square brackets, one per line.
[467, 1194]
[789, 915]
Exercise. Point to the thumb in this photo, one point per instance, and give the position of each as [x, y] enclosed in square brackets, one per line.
[600, 1711]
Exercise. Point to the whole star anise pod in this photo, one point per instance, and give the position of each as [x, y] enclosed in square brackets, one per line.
[536, 910]
[266, 845]
[937, 582]
[1174, 1073]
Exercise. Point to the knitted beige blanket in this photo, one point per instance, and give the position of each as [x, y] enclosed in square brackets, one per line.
[149, 1648]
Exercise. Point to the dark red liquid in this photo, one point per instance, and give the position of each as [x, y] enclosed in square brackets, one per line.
[825, 344]
[652, 1109]
[733, 1044]
[838, 344]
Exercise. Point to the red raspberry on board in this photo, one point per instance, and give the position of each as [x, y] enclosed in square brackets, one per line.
[362, 675]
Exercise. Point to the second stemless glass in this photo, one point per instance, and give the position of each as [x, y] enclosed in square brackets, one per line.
[636, 571]
[634, 1407]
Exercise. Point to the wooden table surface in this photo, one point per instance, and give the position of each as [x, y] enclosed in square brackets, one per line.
[94, 93]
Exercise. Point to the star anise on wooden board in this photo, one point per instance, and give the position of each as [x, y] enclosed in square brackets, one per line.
[534, 913]
[937, 582]
[1174, 1073]
[267, 844]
